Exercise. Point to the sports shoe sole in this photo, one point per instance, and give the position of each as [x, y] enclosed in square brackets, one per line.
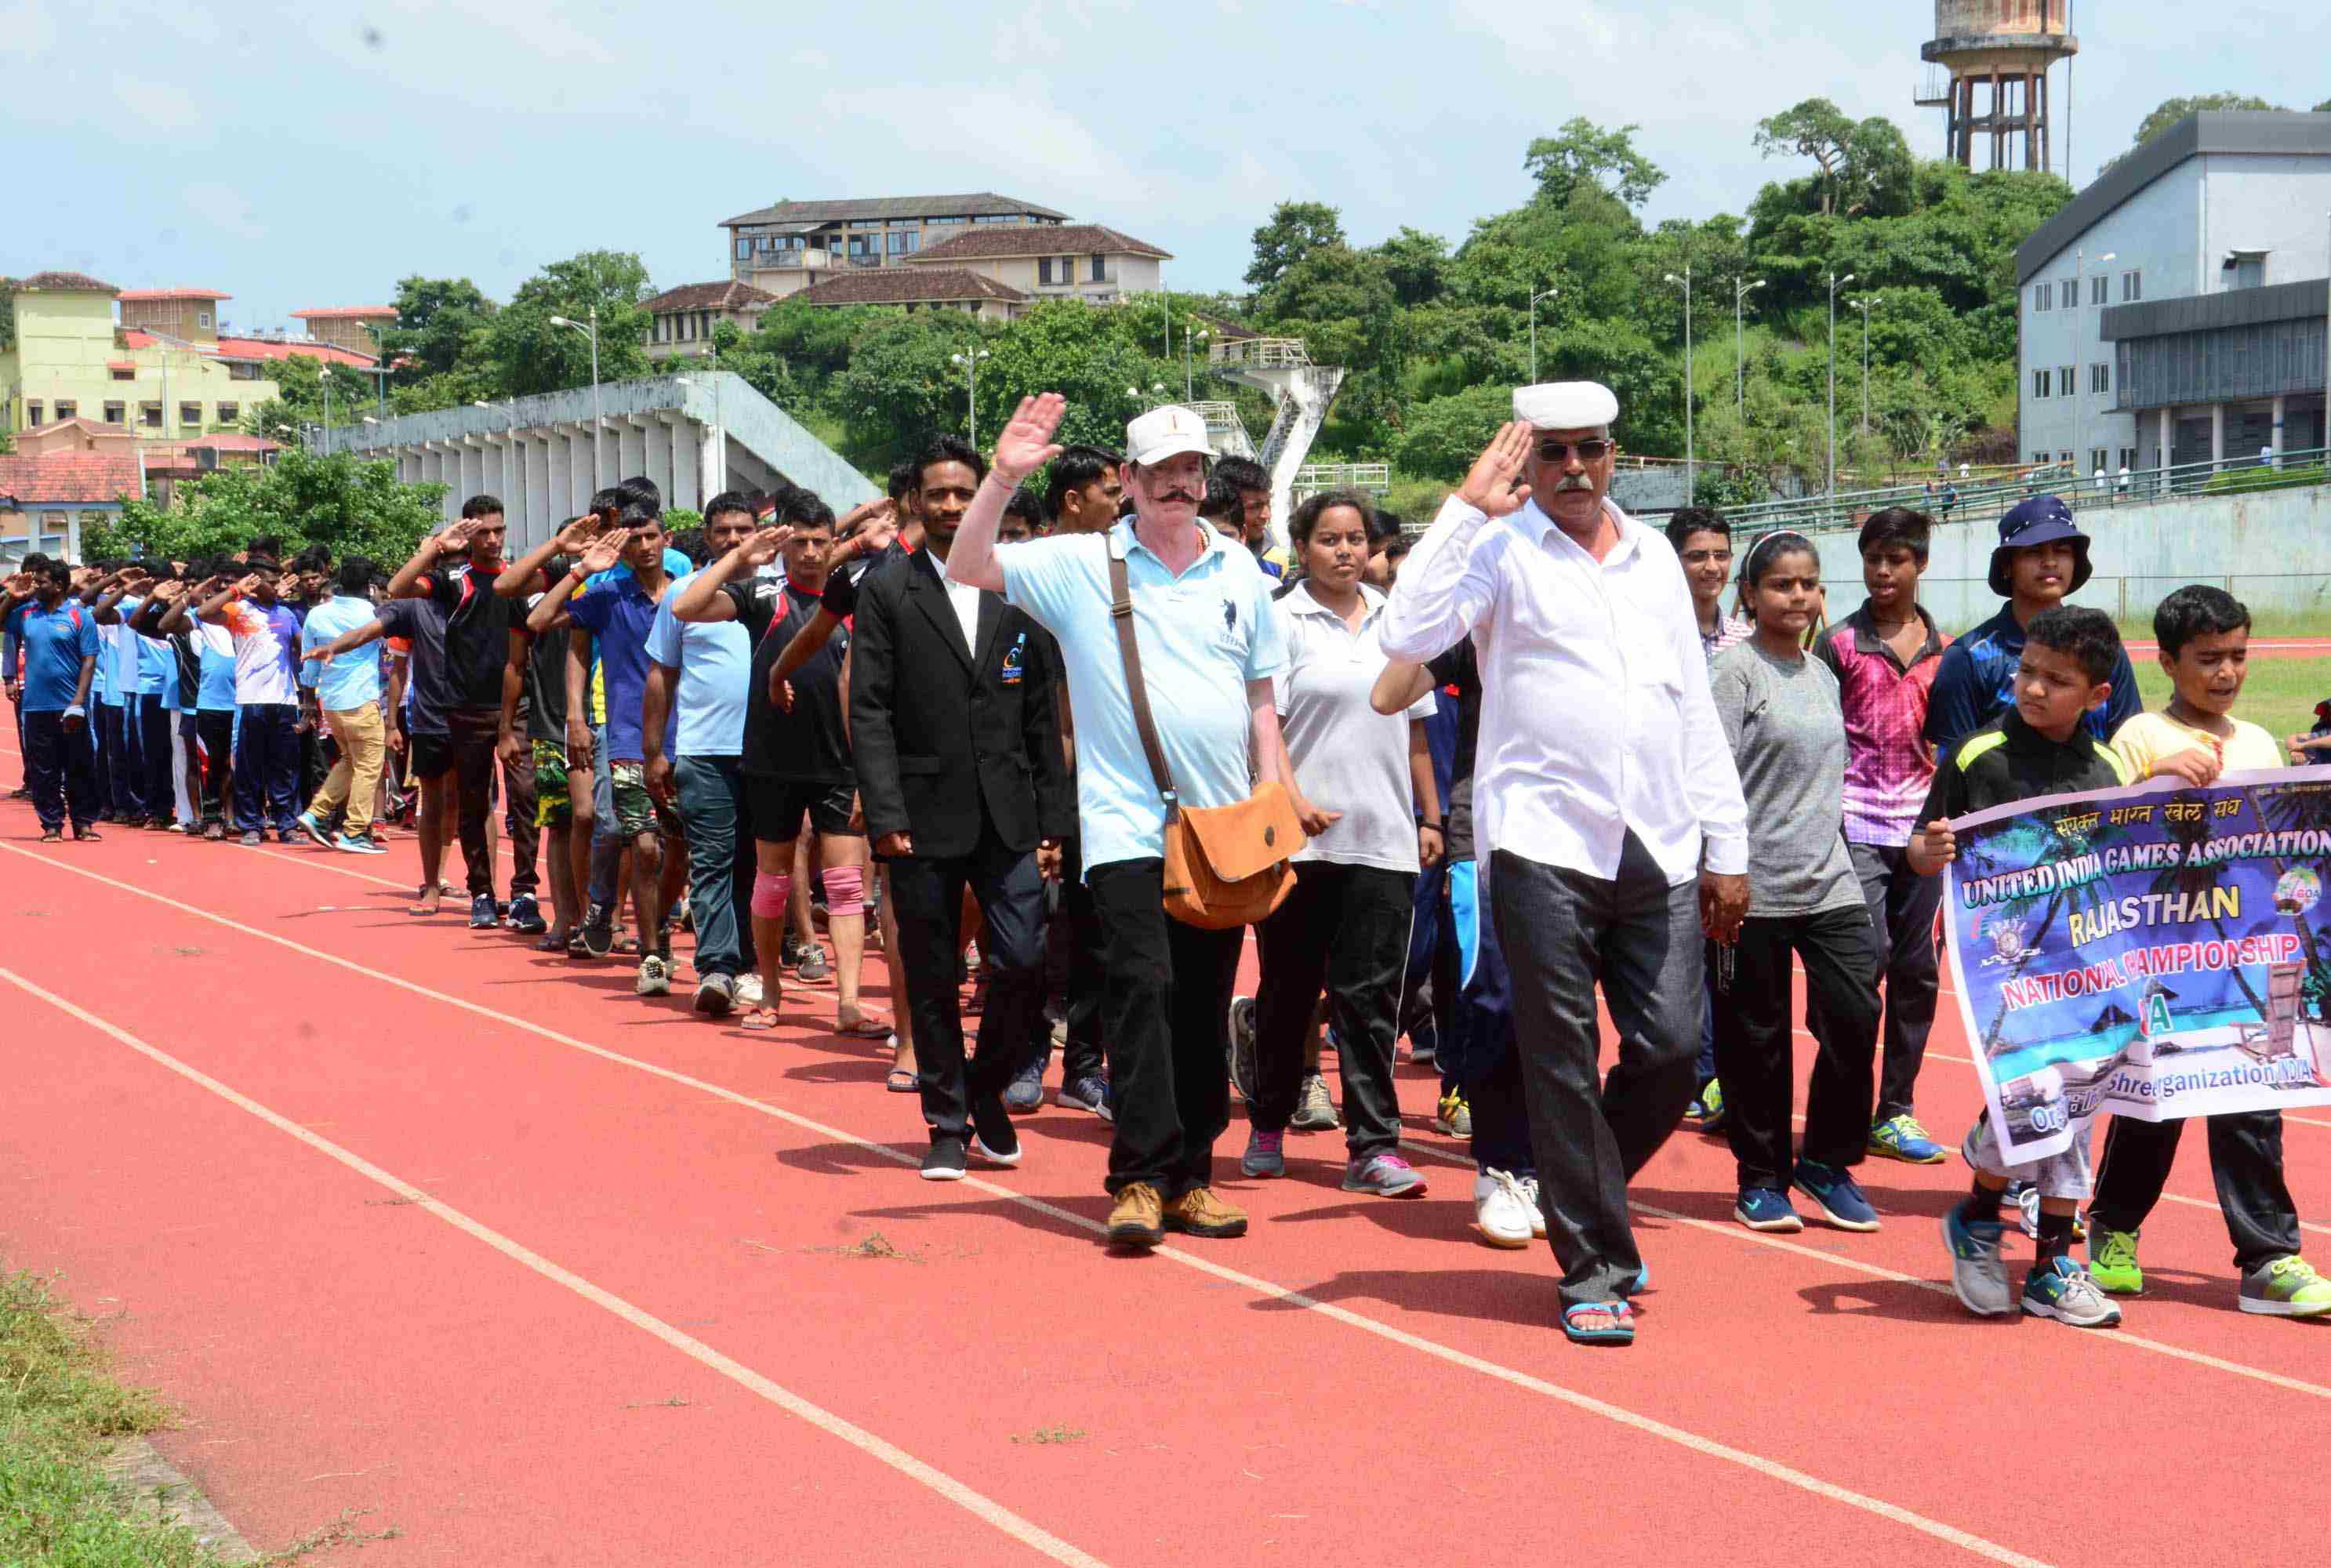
[1830, 1216]
[650, 985]
[1415, 1188]
[598, 943]
[1069, 1101]
[313, 831]
[2266, 1309]
[714, 1002]
[1790, 1226]
[1502, 1243]
[1879, 1151]
[1005, 1161]
[1264, 1172]
[943, 1172]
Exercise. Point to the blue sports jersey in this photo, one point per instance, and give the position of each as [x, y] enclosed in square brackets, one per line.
[1977, 683]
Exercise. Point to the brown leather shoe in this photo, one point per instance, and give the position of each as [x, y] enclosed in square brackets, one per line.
[1198, 1213]
[1134, 1219]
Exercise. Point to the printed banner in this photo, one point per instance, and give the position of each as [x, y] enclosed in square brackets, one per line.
[2154, 952]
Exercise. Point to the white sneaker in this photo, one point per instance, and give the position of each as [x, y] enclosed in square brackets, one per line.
[1503, 1213]
[1537, 1215]
[748, 991]
[655, 976]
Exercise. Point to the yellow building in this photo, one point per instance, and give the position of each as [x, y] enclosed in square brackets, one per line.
[70, 360]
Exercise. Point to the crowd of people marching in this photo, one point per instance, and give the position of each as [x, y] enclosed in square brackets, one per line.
[1535, 755]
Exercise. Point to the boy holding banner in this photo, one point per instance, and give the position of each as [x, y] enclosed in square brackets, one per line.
[2040, 746]
[2204, 647]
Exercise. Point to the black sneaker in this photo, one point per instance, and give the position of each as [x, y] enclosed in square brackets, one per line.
[599, 931]
[482, 916]
[944, 1162]
[993, 1139]
[526, 915]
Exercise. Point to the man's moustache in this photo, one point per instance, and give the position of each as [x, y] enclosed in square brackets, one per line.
[1579, 483]
[1179, 496]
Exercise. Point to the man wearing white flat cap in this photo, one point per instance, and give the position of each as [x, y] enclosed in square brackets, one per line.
[1209, 647]
[1607, 811]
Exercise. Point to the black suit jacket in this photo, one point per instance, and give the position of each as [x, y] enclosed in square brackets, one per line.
[942, 737]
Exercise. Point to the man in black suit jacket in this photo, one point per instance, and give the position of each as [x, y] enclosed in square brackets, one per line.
[961, 777]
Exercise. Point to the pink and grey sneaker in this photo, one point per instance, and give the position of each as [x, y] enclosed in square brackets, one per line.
[1383, 1175]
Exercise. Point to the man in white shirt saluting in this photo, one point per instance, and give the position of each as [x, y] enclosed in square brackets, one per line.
[1607, 810]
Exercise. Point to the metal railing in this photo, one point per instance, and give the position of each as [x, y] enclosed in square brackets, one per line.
[1987, 503]
[1376, 478]
[1260, 353]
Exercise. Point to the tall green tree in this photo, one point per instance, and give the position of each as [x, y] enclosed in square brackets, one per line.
[530, 354]
[1416, 264]
[1865, 165]
[1582, 154]
[440, 328]
[1295, 230]
[352, 507]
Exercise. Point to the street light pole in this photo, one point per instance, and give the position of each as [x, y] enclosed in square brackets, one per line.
[970, 360]
[1690, 449]
[1189, 379]
[598, 419]
[1835, 282]
[1741, 290]
[1863, 305]
[1534, 299]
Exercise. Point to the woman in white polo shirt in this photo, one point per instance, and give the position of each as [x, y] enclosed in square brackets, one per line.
[1346, 923]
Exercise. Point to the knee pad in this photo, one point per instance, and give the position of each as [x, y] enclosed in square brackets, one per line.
[845, 891]
[772, 891]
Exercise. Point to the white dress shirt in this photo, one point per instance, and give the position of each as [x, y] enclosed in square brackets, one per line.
[1595, 715]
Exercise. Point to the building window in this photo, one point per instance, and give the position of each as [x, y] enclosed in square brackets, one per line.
[32, 416]
[2040, 457]
[2100, 378]
[149, 414]
[902, 244]
[2131, 287]
[2065, 458]
[125, 375]
[1099, 273]
[116, 414]
[2246, 272]
[242, 371]
[2128, 457]
[190, 414]
[202, 319]
[744, 249]
[2043, 296]
[865, 223]
[67, 408]
[229, 413]
[2100, 291]
[2038, 384]
[2065, 386]
[1043, 269]
[2097, 460]
[2068, 293]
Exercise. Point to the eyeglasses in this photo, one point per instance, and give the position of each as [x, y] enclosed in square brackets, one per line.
[1702, 558]
[1592, 450]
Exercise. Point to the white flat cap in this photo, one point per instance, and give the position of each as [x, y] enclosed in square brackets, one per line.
[1166, 432]
[1566, 405]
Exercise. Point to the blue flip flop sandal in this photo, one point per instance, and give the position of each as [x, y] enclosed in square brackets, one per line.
[1621, 1332]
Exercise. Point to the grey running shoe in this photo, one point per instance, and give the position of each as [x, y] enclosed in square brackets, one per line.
[655, 976]
[1242, 1048]
[1978, 1276]
[2062, 1289]
[1314, 1111]
[1266, 1155]
[716, 995]
[1384, 1176]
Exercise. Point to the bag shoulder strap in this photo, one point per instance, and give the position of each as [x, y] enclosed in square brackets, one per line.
[1120, 611]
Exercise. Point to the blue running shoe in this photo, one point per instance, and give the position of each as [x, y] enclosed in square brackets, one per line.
[1088, 1093]
[1902, 1138]
[1766, 1208]
[1026, 1090]
[1839, 1196]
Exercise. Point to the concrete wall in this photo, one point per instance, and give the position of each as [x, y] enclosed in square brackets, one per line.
[2272, 550]
[540, 457]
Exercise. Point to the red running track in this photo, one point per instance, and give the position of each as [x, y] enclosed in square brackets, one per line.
[2260, 647]
[417, 1222]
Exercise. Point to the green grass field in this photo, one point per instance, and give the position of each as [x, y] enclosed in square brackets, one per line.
[60, 1411]
[2280, 694]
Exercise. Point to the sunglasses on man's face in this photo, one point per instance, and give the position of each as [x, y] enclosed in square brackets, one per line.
[1591, 450]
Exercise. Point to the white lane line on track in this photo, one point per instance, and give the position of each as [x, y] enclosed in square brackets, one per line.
[975, 1503]
[1708, 1446]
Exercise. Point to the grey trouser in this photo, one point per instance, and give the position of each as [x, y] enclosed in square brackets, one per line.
[1563, 932]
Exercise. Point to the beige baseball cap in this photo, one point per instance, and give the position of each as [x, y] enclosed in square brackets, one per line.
[1166, 432]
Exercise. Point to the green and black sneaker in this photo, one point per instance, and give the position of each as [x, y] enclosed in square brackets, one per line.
[2112, 1263]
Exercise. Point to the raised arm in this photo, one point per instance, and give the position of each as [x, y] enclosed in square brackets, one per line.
[213, 609]
[1398, 686]
[1440, 595]
[703, 599]
[525, 575]
[406, 583]
[179, 617]
[1026, 446]
[550, 612]
[371, 630]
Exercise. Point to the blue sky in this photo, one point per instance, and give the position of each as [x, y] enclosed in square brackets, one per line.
[313, 156]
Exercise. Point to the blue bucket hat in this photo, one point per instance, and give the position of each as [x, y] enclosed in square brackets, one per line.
[2042, 520]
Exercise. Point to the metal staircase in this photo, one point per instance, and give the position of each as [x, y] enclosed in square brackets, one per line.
[1301, 392]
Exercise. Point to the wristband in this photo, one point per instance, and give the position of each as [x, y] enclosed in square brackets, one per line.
[75, 711]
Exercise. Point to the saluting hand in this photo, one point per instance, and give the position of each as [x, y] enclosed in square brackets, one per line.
[1489, 488]
[1027, 444]
[762, 545]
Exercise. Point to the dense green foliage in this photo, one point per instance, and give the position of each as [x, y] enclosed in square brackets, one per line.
[351, 505]
[1431, 333]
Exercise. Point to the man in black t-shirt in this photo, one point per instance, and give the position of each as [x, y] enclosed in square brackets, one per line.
[797, 758]
[533, 745]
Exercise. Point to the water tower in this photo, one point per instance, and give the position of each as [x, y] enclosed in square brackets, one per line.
[2006, 46]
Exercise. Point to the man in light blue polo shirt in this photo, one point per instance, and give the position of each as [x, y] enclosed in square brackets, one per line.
[1209, 648]
[704, 669]
[347, 691]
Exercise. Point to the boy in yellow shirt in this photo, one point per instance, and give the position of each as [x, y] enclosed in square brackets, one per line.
[2204, 647]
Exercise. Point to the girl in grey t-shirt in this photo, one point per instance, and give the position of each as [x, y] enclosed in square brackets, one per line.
[1781, 715]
